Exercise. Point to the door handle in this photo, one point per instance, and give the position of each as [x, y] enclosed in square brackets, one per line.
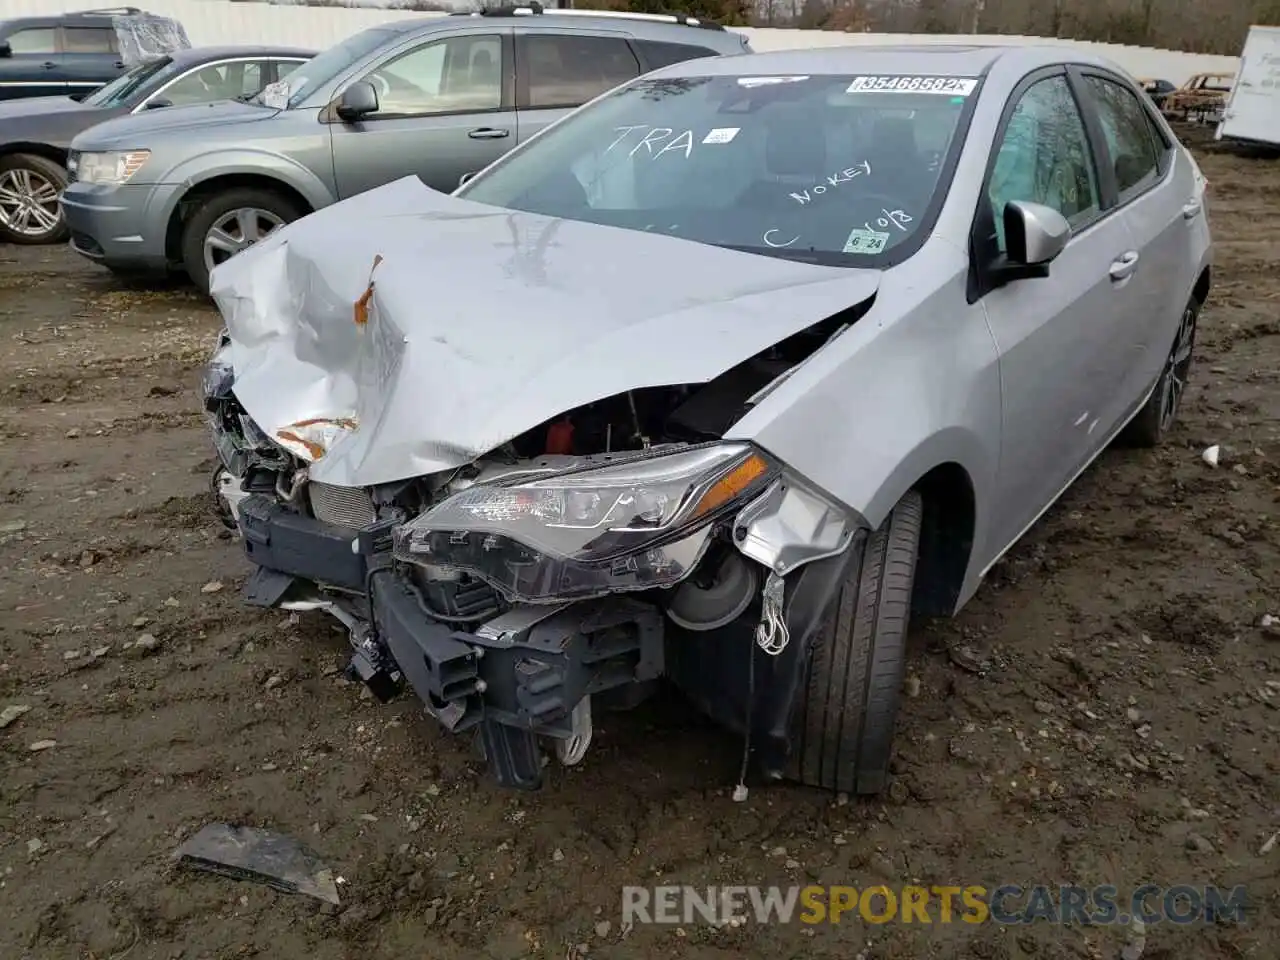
[49, 65]
[1123, 268]
[488, 133]
[119, 64]
[1191, 209]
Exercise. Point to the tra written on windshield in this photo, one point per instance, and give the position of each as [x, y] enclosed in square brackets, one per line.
[658, 140]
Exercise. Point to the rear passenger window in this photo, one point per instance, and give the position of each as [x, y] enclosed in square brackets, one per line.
[1127, 128]
[88, 40]
[657, 54]
[31, 41]
[566, 70]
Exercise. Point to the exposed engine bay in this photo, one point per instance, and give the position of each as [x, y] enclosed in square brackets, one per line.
[600, 598]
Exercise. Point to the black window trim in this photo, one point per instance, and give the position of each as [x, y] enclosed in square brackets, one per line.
[982, 226]
[329, 113]
[522, 75]
[1164, 149]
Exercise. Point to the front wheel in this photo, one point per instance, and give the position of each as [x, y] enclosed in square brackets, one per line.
[30, 189]
[843, 736]
[227, 223]
[1154, 421]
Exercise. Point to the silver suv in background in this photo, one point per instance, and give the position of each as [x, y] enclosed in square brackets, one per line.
[440, 98]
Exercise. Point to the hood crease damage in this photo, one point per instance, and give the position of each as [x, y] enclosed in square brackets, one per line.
[475, 325]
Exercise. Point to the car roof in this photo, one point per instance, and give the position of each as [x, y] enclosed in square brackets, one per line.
[193, 55]
[925, 59]
[72, 16]
[660, 25]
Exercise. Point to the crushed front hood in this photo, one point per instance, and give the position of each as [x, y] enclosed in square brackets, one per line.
[482, 323]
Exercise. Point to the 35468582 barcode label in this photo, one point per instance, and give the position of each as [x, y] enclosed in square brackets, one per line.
[950, 86]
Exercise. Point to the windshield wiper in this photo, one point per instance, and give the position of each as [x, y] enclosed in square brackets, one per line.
[785, 253]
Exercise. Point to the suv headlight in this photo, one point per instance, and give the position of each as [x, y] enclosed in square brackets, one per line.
[629, 526]
[114, 166]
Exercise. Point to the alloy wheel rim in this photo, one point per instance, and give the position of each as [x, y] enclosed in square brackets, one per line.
[238, 230]
[28, 203]
[1177, 367]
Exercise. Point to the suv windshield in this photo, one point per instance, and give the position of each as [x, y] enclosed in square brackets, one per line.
[824, 169]
[319, 70]
[123, 88]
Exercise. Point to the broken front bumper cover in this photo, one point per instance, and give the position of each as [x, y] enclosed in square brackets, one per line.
[524, 674]
[532, 671]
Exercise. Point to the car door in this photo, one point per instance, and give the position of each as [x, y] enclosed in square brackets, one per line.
[1054, 334]
[445, 108]
[90, 57]
[32, 68]
[559, 69]
[1160, 202]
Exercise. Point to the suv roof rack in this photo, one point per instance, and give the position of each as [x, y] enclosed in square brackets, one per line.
[535, 9]
[105, 11]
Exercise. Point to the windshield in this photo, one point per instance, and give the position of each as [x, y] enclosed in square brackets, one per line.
[319, 70]
[125, 87]
[824, 169]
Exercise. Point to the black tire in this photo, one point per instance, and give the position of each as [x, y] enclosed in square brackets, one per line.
[1153, 422]
[844, 725]
[48, 171]
[215, 208]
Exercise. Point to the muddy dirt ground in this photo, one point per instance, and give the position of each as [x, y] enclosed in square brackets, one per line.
[1121, 725]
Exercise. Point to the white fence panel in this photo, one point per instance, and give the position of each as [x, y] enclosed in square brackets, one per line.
[227, 21]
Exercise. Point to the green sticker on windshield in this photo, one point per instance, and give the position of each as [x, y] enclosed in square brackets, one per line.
[866, 241]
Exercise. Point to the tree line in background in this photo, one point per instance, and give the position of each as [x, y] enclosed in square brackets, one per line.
[1198, 26]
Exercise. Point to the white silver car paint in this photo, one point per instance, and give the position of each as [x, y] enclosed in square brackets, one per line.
[463, 352]
[479, 333]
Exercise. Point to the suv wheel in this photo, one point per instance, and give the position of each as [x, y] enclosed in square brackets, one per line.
[1156, 419]
[844, 732]
[227, 223]
[29, 209]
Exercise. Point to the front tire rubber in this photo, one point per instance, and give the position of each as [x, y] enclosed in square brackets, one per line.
[845, 721]
[262, 204]
[1156, 418]
[38, 181]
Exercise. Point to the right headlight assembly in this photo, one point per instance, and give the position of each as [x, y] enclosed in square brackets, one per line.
[627, 526]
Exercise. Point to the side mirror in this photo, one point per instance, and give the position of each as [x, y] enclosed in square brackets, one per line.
[357, 101]
[467, 177]
[1034, 236]
[5, 49]
[158, 102]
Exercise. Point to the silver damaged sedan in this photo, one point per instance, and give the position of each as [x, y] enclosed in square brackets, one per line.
[717, 381]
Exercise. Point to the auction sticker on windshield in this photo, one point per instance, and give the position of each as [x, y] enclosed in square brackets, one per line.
[721, 135]
[866, 241]
[950, 86]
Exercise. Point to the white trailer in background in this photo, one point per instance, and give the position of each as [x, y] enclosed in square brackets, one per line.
[1252, 113]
